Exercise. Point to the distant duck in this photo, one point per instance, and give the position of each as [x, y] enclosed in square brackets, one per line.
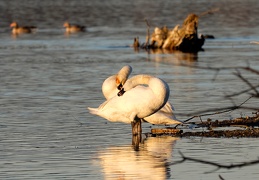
[136, 42]
[16, 29]
[73, 28]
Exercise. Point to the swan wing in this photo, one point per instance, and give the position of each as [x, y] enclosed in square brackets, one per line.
[161, 118]
[115, 109]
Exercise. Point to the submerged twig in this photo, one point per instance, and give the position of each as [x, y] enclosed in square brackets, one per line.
[247, 82]
[218, 166]
[220, 177]
[209, 12]
[75, 118]
[218, 69]
[247, 68]
[219, 110]
[148, 33]
[242, 92]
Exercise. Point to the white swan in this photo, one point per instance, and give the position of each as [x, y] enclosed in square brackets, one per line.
[136, 103]
[164, 116]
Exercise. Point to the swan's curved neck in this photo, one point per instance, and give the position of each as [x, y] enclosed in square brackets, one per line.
[134, 81]
[123, 75]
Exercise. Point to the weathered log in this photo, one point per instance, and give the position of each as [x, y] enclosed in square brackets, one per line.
[249, 132]
[163, 131]
[253, 132]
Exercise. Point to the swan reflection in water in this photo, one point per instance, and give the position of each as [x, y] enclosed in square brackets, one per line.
[172, 56]
[149, 162]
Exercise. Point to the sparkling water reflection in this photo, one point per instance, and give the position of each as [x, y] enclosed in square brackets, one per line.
[150, 162]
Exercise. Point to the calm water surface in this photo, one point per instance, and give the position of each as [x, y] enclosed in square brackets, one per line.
[48, 79]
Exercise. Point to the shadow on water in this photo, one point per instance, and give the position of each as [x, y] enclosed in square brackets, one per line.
[149, 162]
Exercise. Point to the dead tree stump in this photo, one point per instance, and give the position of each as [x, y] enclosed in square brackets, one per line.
[184, 38]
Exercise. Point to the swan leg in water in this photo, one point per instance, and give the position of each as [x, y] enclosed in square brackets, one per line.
[136, 127]
[136, 133]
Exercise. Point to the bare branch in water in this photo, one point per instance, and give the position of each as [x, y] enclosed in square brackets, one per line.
[209, 12]
[220, 110]
[217, 165]
[247, 68]
[148, 33]
[75, 118]
[218, 69]
[242, 92]
[220, 177]
[247, 82]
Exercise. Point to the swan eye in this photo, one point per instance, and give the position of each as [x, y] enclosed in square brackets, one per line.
[121, 92]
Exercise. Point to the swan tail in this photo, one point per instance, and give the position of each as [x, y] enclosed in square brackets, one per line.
[172, 121]
[167, 108]
[93, 110]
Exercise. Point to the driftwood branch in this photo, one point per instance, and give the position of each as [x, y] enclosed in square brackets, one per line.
[148, 33]
[212, 11]
[218, 69]
[219, 110]
[248, 83]
[242, 92]
[247, 68]
[251, 70]
[217, 165]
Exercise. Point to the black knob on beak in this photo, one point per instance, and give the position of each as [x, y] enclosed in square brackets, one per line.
[120, 87]
[121, 92]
